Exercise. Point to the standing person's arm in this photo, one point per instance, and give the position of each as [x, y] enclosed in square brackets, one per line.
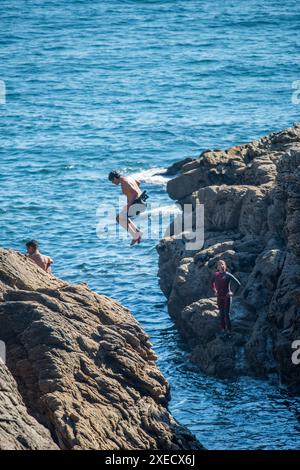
[236, 281]
[213, 285]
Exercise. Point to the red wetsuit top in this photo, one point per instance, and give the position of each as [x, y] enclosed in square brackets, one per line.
[221, 282]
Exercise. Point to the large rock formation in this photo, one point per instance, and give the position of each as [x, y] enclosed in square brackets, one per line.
[19, 430]
[251, 197]
[83, 366]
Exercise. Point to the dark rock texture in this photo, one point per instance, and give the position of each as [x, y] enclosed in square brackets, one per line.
[19, 430]
[83, 365]
[251, 195]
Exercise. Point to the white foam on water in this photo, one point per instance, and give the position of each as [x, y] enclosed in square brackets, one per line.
[152, 176]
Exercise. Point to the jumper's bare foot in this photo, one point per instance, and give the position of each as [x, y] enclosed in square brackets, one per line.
[136, 240]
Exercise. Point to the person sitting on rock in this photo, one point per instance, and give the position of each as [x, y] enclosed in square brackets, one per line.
[135, 203]
[34, 254]
[221, 285]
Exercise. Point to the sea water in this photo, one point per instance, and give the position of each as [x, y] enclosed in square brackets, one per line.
[137, 85]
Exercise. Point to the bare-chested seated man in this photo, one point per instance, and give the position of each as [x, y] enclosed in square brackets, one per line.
[34, 254]
[135, 197]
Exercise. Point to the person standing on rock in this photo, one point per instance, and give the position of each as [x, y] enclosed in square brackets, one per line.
[221, 285]
[34, 254]
[135, 203]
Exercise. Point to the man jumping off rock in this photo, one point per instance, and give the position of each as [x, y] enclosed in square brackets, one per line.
[221, 285]
[135, 203]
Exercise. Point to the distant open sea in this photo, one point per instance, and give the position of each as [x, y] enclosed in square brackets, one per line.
[136, 85]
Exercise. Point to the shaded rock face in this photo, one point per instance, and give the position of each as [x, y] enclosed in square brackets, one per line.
[19, 430]
[251, 197]
[83, 366]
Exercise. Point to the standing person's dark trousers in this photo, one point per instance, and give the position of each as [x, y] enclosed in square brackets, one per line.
[224, 304]
[220, 284]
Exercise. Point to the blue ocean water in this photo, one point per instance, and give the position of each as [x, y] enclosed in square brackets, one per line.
[136, 85]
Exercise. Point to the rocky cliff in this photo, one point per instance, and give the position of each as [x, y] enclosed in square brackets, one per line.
[251, 197]
[80, 370]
